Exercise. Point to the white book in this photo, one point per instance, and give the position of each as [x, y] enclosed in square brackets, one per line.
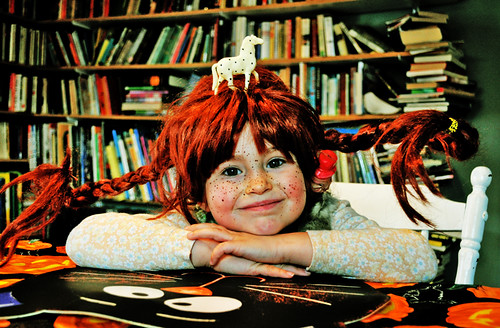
[266, 36]
[34, 94]
[333, 95]
[306, 38]
[321, 35]
[329, 37]
[324, 94]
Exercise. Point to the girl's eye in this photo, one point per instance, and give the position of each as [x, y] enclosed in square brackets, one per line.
[276, 162]
[231, 171]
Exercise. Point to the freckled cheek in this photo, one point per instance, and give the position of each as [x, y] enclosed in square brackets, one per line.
[295, 188]
[222, 194]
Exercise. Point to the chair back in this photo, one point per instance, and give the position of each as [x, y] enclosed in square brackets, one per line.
[378, 202]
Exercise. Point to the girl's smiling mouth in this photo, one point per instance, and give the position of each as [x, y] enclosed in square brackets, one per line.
[262, 205]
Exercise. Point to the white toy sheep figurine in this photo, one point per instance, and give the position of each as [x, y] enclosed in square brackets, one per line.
[244, 63]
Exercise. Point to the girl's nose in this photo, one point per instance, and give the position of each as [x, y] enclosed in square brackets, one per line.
[258, 184]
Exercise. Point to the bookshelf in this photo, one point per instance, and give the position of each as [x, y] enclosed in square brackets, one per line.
[37, 61]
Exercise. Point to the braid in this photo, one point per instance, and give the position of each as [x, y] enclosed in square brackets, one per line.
[412, 131]
[90, 192]
[51, 185]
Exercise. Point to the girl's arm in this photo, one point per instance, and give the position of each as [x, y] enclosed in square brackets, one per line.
[376, 254]
[358, 247]
[131, 242]
[122, 241]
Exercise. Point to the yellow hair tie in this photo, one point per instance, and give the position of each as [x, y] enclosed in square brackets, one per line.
[453, 127]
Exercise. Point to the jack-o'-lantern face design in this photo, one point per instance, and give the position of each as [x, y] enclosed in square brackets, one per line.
[185, 299]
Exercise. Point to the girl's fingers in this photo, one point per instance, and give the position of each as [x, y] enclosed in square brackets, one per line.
[210, 233]
[199, 226]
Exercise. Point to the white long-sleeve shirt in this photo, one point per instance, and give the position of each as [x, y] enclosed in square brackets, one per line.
[353, 246]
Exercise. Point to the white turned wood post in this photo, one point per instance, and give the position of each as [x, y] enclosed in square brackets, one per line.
[474, 219]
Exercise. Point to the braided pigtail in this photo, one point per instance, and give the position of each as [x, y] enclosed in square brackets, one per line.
[412, 131]
[52, 187]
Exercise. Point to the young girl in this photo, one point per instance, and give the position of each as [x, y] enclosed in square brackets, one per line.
[247, 199]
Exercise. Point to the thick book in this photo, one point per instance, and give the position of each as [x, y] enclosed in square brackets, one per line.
[444, 57]
[352, 41]
[370, 39]
[329, 37]
[431, 33]
[425, 85]
[340, 40]
[436, 71]
[423, 66]
[447, 76]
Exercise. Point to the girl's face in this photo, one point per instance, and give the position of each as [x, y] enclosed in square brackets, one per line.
[259, 193]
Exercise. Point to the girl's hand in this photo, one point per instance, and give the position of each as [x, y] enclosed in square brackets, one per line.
[202, 250]
[294, 248]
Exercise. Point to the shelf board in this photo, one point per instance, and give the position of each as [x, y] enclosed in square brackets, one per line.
[340, 60]
[183, 67]
[21, 165]
[14, 161]
[61, 117]
[355, 118]
[262, 12]
[4, 115]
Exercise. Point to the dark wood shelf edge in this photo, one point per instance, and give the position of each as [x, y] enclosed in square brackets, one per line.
[355, 118]
[279, 62]
[272, 10]
[6, 115]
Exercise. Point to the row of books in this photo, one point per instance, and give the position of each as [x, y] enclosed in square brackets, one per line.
[99, 153]
[358, 167]
[22, 45]
[437, 77]
[93, 94]
[184, 43]
[84, 95]
[445, 246]
[373, 166]
[11, 201]
[305, 37]
[71, 9]
[330, 93]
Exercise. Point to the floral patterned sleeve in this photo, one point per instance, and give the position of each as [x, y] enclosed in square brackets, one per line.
[358, 247]
[131, 242]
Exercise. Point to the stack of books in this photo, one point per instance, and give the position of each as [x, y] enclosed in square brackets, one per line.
[144, 100]
[437, 77]
[436, 165]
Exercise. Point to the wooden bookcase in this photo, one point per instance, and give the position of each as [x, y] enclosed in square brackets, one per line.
[19, 121]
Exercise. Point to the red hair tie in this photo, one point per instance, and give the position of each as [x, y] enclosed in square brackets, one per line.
[323, 174]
